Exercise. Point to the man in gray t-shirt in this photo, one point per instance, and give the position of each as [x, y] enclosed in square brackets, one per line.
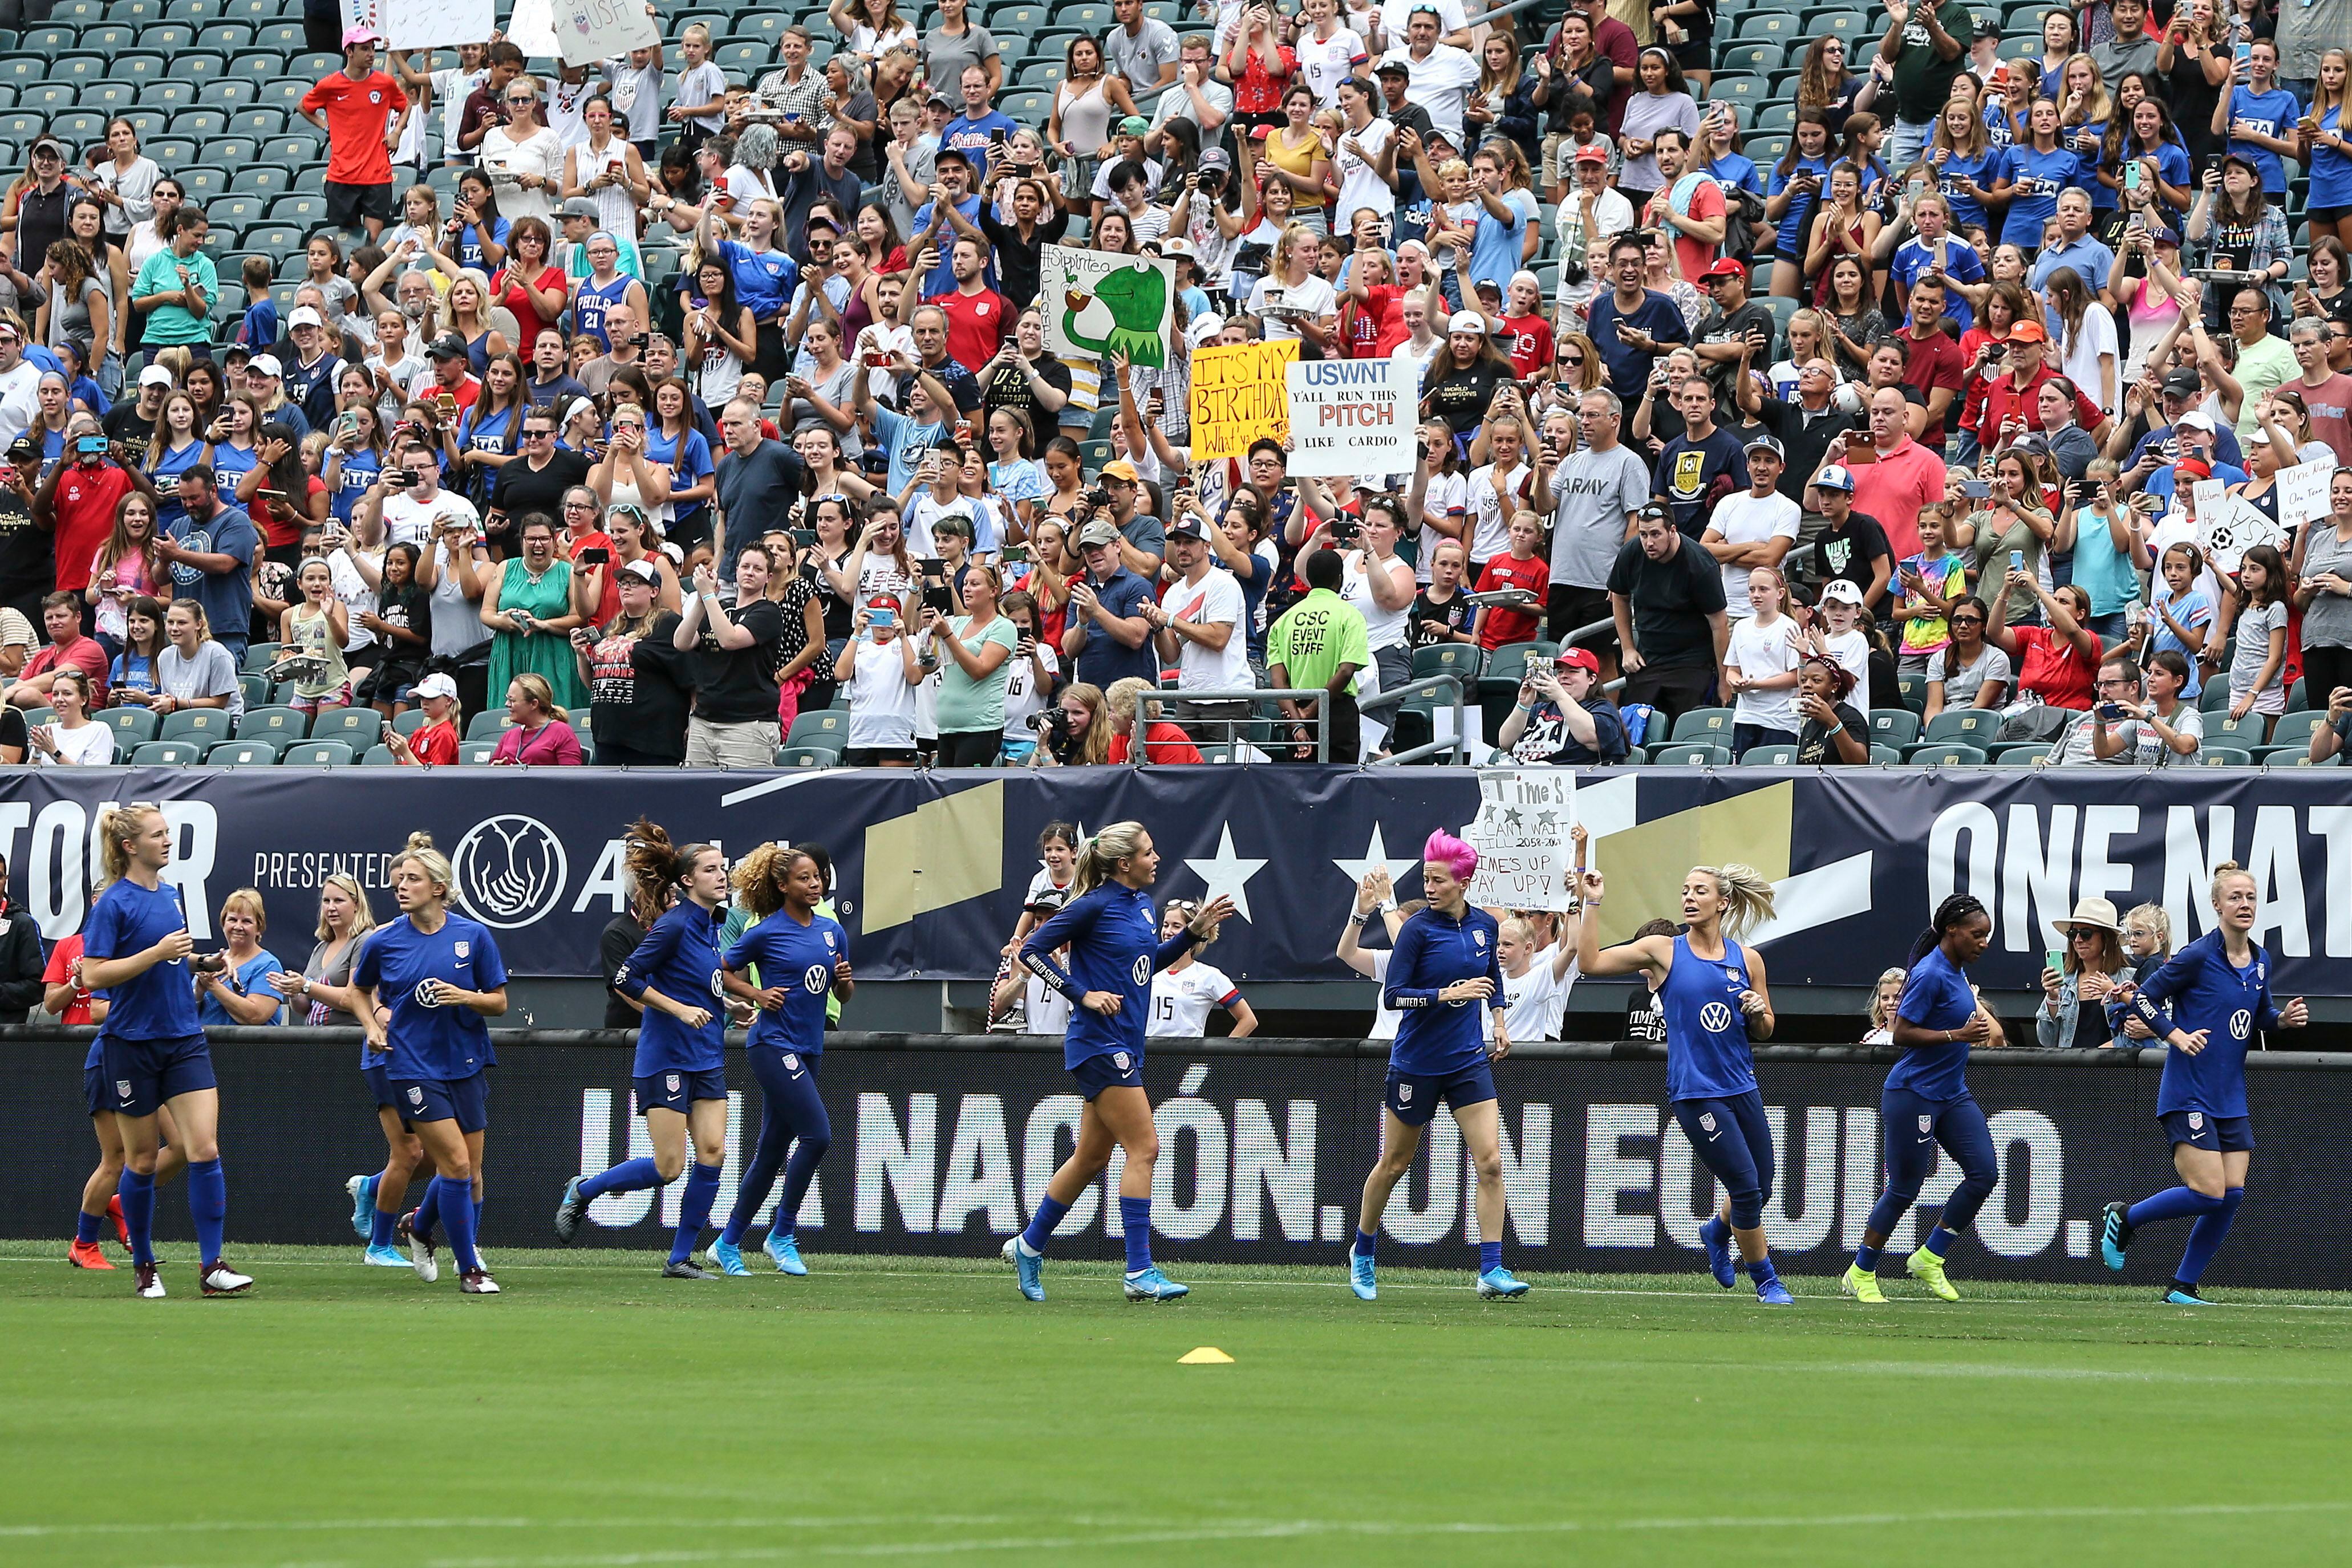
[1595, 492]
[1140, 49]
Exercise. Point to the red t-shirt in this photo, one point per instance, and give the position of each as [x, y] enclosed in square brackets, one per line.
[1933, 362]
[1530, 347]
[83, 653]
[976, 324]
[1370, 326]
[2005, 400]
[61, 970]
[435, 745]
[1694, 257]
[281, 526]
[1163, 743]
[357, 113]
[1501, 625]
[2053, 667]
[508, 290]
[84, 507]
[609, 604]
[468, 389]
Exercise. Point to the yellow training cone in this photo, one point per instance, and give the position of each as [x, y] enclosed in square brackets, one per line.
[1207, 1355]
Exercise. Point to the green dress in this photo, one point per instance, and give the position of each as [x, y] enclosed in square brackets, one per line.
[547, 653]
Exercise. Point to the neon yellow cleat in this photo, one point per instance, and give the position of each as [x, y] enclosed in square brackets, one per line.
[1928, 1270]
[1862, 1287]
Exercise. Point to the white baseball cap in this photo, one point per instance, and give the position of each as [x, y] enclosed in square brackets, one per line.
[436, 685]
[155, 376]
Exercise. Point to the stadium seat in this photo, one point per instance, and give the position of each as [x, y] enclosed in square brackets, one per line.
[260, 656]
[825, 729]
[379, 756]
[1885, 755]
[1896, 727]
[1974, 725]
[1506, 667]
[317, 754]
[2284, 756]
[132, 725]
[2245, 733]
[1914, 691]
[1769, 757]
[358, 727]
[2295, 729]
[281, 725]
[2223, 757]
[199, 725]
[806, 756]
[1459, 659]
[165, 754]
[489, 725]
[475, 753]
[1944, 754]
[412, 721]
[242, 753]
[2298, 697]
[2020, 754]
[1711, 725]
[1691, 754]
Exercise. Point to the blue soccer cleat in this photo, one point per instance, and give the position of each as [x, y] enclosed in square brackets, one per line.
[728, 1256]
[1359, 1278]
[1028, 1270]
[1772, 1293]
[363, 1191]
[1152, 1285]
[787, 1255]
[2115, 1234]
[1720, 1260]
[570, 1211]
[1498, 1285]
[386, 1258]
[2178, 1297]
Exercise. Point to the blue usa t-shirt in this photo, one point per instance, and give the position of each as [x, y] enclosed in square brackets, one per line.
[437, 1042]
[799, 958]
[1936, 996]
[679, 958]
[159, 1002]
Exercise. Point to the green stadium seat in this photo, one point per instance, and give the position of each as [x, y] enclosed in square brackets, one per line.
[476, 753]
[165, 754]
[2223, 757]
[1747, 57]
[198, 119]
[1850, 25]
[256, 689]
[237, 209]
[2298, 697]
[1711, 725]
[79, 69]
[1029, 106]
[2245, 732]
[170, 37]
[1759, 26]
[79, 127]
[1167, 11]
[50, 41]
[2020, 754]
[224, 38]
[21, 126]
[131, 725]
[302, 208]
[198, 11]
[1769, 757]
[1045, 73]
[200, 725]
[1885, 755]
[719, 24]
[769, 26]
[1971, 726]
[242, 753]
[740, 60]
[379, 756]
[232, 92]
[1091, 15]
[1896, 726]
[283, 92]
[48, 98]
[2295, 729]
[1775, 115]
[1944, 754]
[824, 728]
[283, 37]
[318, 754]
[489, 725]
[412, 721]
[358, 727]
[1461, 659]
[272, 239]
[2284, 756]
[1914, 689]
[283, 724]
[806, 756]
[1691, 754]
[149, 122]
[139, 68]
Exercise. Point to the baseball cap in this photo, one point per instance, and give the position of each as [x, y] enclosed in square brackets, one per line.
[2196, 419]
[1391, 68]
[48, 146]
[447, 346]
[1987, 27]
[1216, 157]
[1837, 477]
[1119, 468]
[1466, 321]
[1489, 282]
[1841, 590]
[354, 36]
[2260, 435]
[1176, 244]
[1592, 152]
[2159, 235]
[155, 376]
[436, 685]
[1187, 527]
[265, 365]
[2027, 331]
[643, 571]
[303, 317]
[1577, 659]
[1134, 125]
[1097, 533]
[16, 630]
[2182, 384]
[577, 207]
[1762, 442]
[946, 154]
[1727, 267]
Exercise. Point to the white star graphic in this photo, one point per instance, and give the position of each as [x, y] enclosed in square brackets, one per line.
[1227, 872]
[1376, 858]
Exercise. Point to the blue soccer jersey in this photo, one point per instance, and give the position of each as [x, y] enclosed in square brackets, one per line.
[433, 1040]
[799, 958]
[1114, 942]
[1432, 951]
[1708, 1054]
[679, 958]
[159, 1002]
[1936, 996]
[2209, 993]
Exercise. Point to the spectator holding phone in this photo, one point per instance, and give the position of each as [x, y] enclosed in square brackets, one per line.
[640, 683]
[881, 669]
[527, 605]
[1562, 717]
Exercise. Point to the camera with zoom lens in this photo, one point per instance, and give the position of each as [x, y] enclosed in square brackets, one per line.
[1051, 724]
[1098, 498]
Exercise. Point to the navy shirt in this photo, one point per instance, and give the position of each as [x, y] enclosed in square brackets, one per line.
[160, 1001]
[1105, 658]
[1687, 474]
[756, 493]
[433, 1041]
[1629, 368]
[799, 958]
[2209, 993]
[1936, 996]
[1113, 936]
[227, 596]
[679, 958]
[1432, 951]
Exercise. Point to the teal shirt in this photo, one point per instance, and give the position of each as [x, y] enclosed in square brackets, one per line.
[966, 704]
[172, 323]
[2100, 570]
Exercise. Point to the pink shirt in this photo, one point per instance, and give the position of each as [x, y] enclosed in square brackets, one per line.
[553, 743]
[1894, 488]
[2330, 406]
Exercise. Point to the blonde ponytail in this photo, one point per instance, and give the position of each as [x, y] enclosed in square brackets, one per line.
[1099, 856]
[117, 826]
[1747, 896]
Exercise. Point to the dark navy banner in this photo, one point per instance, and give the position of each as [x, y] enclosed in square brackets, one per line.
[933, 865]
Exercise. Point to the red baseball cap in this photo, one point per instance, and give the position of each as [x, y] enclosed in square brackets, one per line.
[1577, 659]
[2027, 331]
[1727, 267]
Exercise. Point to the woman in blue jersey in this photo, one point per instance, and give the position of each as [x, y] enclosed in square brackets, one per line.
[1792, 194]
[1445, 962]
[1971, 174]
[2219, 989]
[802, 959]
[1927, 1100]
[2041, 165]
[135, 950]
[428, 980]
[1713, 995]
[1114, 948]
[681, 1064]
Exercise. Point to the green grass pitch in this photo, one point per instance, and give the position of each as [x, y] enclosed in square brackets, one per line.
[912, 1411]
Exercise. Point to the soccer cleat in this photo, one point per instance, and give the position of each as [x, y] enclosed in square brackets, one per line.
[477, 1282]
[1928, 1270]
[570, 1211]
[148, 1282]
[363, 1191]
[421, 1252]
[87, 1255]
[2179, 1296]
[1497, 1285]
[383, 1258]
[684, 1269]
[786, 1252]
[1152, 1285]
[220, 1279]
[1028, 1270]
[1772, 1293]
[1719, 1259]
[121, 1226]
[1862, 1287]
[2115, 1234]
[728, 1256]
[1359, 1278]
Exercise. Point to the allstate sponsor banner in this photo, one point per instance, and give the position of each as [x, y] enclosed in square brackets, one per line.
[933, 865]
[944, 1146]
[1353, 416]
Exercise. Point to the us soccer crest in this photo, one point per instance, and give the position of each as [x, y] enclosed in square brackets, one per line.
[1404, 1094]
[1707, 1119]
[463, 949]
[1927, 1123]
[792, 1062]
[2196, 1120]
[1119, 1058]
[671, 1083]
[122, 1087]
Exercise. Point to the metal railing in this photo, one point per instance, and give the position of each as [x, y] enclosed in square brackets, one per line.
[1447, 745]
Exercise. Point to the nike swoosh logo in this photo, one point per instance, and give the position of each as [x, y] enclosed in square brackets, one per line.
[1712, 1137]
[1929, 1139]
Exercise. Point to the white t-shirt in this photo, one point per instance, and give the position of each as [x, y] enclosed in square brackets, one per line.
[1743, 519]
[704, 83]
[91, 746]
[1385, 1018]
[1312, 298]
[1046, 1009]
[1021, 697]
[1533, 1003]
[2081, 364]
[407, 520]
[1440, 84]
[1216, 599]
[506, 160]
[1852, 650]
[1359, 185]
[927, 510]
[1961, 688]
[1181, 1001]
[1382, 628]
[1493, 510]
[1449, 497]
[453, 86]
[881, 702]
[1323, 62]
[1760, 652]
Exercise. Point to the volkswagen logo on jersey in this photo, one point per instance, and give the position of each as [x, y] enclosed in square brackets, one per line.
[510, 871]
[427, 993]
[1142, 975]
[1715, 1017]
[2241, 1024]
[814, 980]
[718, 984]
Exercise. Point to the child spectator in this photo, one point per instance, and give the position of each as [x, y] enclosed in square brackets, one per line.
[259, 328]
[2256, 683]
[1518, 568]
[1927, 585]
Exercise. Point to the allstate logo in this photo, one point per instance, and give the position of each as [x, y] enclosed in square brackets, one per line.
[1715, 1017]
[510, 871]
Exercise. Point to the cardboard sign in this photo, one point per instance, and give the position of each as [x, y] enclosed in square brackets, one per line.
[1353, 416]
[1525, 856]
[424, 24]
[591, 30]
[1240, 395]
[2303, 492]
[2227, 532]
[1098, 304]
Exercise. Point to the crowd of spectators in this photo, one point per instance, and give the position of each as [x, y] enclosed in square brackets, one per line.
[662, 409]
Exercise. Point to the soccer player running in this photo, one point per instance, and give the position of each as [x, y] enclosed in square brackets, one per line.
[1115, 949]
[681, 1064]
[2220, 989]
[802, 957]
[1446, 960]
[1926, 1101]
[1715, 999]
[135, 948]
[429, 979]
